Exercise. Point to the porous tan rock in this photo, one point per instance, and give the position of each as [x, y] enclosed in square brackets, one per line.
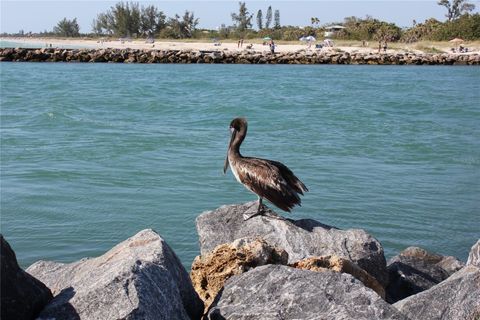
[337, 264]
[300, 238]
[210, 271]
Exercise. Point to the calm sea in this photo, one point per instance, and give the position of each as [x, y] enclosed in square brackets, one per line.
[93, 153]
[25, 44]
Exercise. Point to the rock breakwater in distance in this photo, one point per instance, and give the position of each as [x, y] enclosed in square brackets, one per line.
[233, 57]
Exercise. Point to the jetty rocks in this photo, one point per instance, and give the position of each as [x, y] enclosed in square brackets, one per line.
[140, 278]
[234, 57]
[268, 267]
[22, 296]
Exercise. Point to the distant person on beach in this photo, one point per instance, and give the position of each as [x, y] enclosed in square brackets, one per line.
[272, 46]
[385, 46]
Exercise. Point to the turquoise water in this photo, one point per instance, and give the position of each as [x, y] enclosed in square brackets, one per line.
[26, 44]
[93, 153]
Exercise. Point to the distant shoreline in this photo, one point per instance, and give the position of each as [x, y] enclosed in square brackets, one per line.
[231, 46]
[187, 56]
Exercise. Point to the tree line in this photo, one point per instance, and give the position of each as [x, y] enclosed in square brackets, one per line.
[132, 20]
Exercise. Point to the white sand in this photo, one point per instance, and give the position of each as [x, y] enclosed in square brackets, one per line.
[174, 45]
[187, 45]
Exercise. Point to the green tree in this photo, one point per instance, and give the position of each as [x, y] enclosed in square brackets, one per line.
[243, 19]
[182, 27]
[466, 27]
[421, 31]
[67, 28]
[268, 17]
[455, 8]
[152, 21]
[368, 29]
[315, 21]
[277, 19]
[260, 19]
[224, 31]
[189, 24]
[104, 23]
[384, 33]
[123, 19]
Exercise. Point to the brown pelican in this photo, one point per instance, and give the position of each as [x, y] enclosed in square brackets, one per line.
[268, 179]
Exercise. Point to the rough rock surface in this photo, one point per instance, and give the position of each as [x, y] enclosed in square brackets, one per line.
[281, 292]
[22, 296]
[474, 256]
[300, 238]
[140, 278]
[210, 271]
[415, 270]
[456, 298]
[333, 263]
[221, 56]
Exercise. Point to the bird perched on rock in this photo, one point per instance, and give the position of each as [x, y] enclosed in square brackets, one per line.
[268, 179]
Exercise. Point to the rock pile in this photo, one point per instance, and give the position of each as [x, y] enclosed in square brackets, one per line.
[281, 292]
[415, 270]
[265, 268]
[457, 297]
[321, 264]
[140, 278]
[229, 57]
[210, 271]
[299, 238]
[22, 296]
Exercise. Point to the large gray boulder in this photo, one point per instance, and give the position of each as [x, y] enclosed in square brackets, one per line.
[140, 278]
[281, 292]
[415, 270]
[474, 256]
[22, 296]
[458, 297]
[300, 238]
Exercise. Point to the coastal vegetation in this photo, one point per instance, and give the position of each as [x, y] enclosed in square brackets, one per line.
[67, 28]
[130, 20]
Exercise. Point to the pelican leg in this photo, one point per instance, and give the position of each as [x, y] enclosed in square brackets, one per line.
[259, 211]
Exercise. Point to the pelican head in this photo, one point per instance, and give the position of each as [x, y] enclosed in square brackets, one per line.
[238, 128]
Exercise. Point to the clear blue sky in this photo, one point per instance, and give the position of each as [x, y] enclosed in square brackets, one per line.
[39, 15]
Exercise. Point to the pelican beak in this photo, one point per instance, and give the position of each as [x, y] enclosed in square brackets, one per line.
[232, 137]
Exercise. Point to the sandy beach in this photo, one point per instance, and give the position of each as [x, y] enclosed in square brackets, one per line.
[253, 45]
[168, 45]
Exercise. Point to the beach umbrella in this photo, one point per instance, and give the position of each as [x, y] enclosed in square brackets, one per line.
[308, 38]
[267, 38]
[456, 40]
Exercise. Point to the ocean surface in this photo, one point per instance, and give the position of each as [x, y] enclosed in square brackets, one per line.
[93, 153]
[34, 45]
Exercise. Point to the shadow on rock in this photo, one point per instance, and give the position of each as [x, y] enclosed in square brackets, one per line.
[61, 307]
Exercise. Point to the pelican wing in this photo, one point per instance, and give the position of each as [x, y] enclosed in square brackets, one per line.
[291, 178]
[271, 180]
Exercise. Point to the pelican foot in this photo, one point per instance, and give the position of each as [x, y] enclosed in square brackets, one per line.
[259, 212]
